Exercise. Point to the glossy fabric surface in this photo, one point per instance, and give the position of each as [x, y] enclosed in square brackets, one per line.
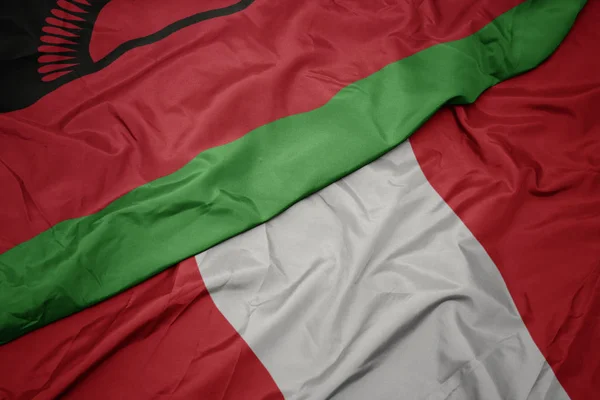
[231, 188]
[520, 168]
[374, 288]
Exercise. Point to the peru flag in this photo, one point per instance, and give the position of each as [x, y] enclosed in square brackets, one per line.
[261, 147]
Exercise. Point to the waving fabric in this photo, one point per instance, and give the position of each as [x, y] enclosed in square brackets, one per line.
[80, 260]
[216, 202]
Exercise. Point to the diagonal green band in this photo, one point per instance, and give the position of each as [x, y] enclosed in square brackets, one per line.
[232, 188]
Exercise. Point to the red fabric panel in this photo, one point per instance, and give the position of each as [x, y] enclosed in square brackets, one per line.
[124, 20]
[521, 167]
[164, 338]
[155, 108]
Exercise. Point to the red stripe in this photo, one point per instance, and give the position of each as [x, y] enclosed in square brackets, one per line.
[54, 49]
[61, 24]
[65, 15]
[154, 109]
[57, 31]
[64, 4]
[56, 40]
[521, 167]
[164, 338]
[55, 75]
[53, 67]
[48, 58]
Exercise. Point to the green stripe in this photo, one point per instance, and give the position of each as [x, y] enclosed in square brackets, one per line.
[232, 188]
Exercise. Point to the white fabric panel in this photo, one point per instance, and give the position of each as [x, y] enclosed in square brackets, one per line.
[374, 289]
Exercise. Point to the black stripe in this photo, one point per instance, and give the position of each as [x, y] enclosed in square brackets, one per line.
[19, 78]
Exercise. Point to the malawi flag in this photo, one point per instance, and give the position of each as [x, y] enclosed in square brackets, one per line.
[211, 199]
